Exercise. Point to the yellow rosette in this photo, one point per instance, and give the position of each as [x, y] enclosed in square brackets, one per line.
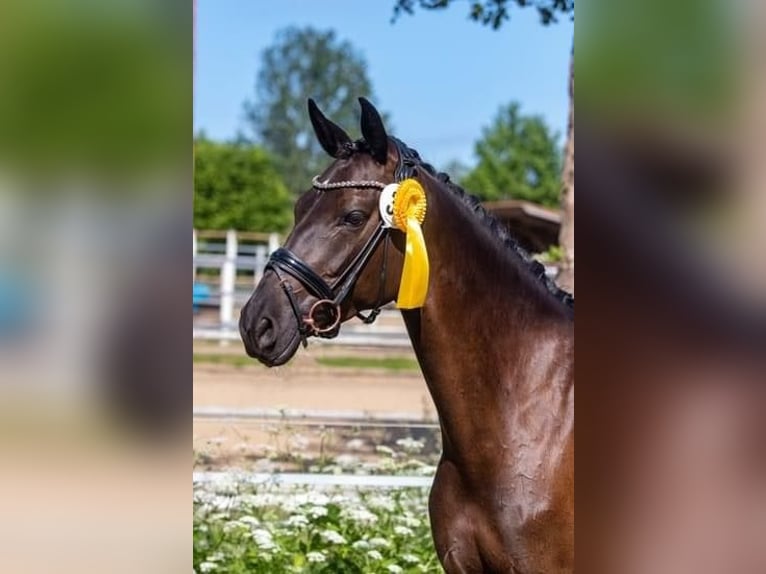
[409, 211]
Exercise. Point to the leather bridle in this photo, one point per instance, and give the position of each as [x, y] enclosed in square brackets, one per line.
[324, 316]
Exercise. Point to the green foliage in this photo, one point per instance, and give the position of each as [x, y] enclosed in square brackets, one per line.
[305, 63]
[388, 363]
[240, 528]
[554, 254]
[518, 158]
[237, 187]
[493, 12]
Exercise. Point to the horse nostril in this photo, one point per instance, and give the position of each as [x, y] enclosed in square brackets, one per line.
[264, 333]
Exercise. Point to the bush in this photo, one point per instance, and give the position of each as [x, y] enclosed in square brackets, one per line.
[237, 187]
[241, 528]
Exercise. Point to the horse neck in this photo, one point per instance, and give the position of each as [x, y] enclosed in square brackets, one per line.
[487, 333]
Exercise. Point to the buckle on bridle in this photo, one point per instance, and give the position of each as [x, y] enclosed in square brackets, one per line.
[323, 317]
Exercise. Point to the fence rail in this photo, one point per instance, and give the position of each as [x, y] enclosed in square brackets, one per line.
[316, 417]
[318, 480]
[229, 257]
[345, 339]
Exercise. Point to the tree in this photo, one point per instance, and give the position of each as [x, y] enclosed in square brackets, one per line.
[456, 170]
[494, 12]
[304, 63]
[237, 187]
[518, 158]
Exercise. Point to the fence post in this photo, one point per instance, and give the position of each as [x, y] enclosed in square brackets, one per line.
[273, 242]
[228, 278]
[261, 256]
[194, 256]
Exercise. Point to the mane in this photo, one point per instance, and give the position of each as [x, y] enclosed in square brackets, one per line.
[500, 232]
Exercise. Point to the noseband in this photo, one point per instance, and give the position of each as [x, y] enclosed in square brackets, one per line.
[324, 316]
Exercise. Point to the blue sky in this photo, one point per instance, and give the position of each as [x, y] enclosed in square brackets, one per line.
[440, 76]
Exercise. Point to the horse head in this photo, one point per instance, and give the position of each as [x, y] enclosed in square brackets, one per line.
[340, 258]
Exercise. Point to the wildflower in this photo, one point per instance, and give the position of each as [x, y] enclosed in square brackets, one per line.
[317, 499]
[409, 520]
[317, 511]
[410, 559]
[346, 461]
[410, 444]
[403, 531]
[297, 520]
[378, 542]
[207, 566]
[381, 503]
[361, 515]
[316, 557]
[249, 520]
[394, 569]
[374, 555]
[263, 539]
[360, 545]
[383, 449]
[332, 537]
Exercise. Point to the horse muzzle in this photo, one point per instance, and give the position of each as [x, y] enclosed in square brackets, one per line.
[268, 330]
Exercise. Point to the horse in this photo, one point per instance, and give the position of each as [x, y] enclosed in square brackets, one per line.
[493, 335]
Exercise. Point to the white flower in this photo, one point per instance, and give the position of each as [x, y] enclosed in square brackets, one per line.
[360, 545]
[332, 537]
[361, 515]
[410, 444]
[297, 520]
[426, 470]
[374, 555]
[317, 511]
[381, 503]
[403, 531]
[410, 559]
[316, 557]
[249, 520]
[317, 498]
[263, 539]
[340, 499]
[409, 520]
[379, 542]
[207, 566]
[346, 461]
[383, 449]
[394, 569]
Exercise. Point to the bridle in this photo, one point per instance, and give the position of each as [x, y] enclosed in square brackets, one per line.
[324, 316]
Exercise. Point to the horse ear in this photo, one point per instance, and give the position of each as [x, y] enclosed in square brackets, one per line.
[373, 131]
[331, 137]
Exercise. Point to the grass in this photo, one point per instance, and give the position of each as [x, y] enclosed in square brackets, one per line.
[221, 359]
[386, 363]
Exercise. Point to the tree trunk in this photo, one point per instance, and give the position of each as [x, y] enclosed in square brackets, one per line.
[566, 234]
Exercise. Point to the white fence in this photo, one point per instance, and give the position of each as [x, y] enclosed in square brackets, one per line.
[315, 480]
[229, 253]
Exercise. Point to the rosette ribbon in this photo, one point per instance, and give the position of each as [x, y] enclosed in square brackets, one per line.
[408, 214]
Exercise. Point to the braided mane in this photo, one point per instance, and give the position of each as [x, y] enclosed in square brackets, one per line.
[499, 230]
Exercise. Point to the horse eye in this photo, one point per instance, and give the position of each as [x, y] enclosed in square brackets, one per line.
[355, 218]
